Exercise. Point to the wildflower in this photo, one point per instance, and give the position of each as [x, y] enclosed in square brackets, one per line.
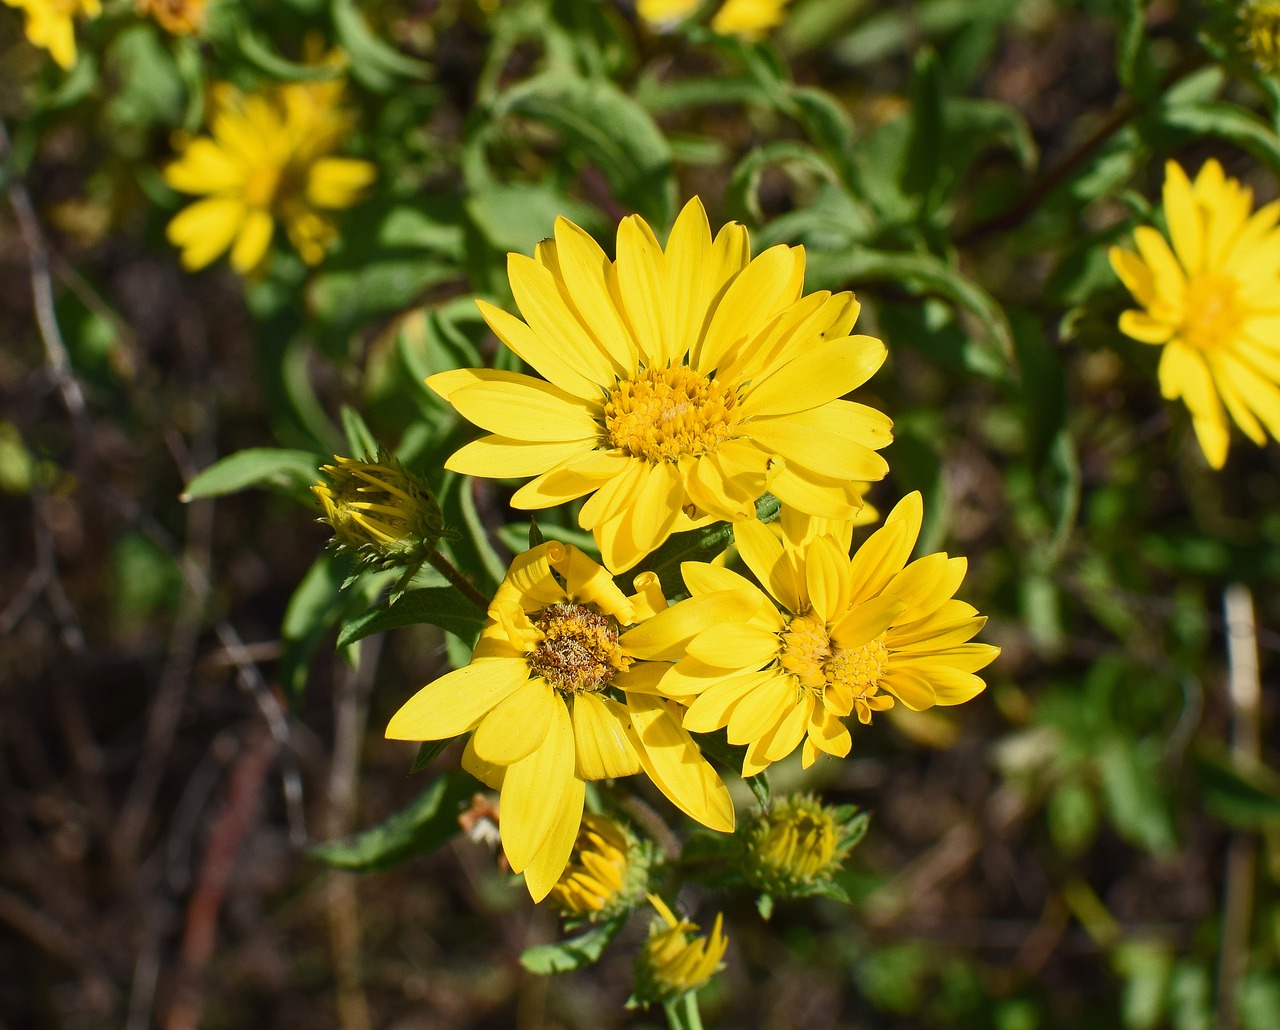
[268, 159]
[556, 696]
[177, 17]
[49, 25]
[748, 19]
[852, 635]
[664, 14]
[672, 960]
[606, 872]
[1260, 31]
[1211, 301]
[799, 844]
[379, 510]
[680, 385]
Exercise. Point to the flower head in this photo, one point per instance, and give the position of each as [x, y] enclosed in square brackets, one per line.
[663, 14]
[748, 19]
[680, 385]
[269, 158]
[49, 25]
[379, 510]
[1212, 301]
[607, 871]
[846, 635]
[558, 692]
[177, 17]
[674, 959]
[799, 843]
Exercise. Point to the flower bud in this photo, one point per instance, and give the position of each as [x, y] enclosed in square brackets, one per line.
[379, 511]
[674, 959]
[800, 844]
[607, 872]
[1260, 30]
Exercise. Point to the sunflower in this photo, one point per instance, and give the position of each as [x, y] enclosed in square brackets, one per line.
[268, 159]
[555, 696]
[680, 385]
[1212, 300]
[49, 25]
[847, 635]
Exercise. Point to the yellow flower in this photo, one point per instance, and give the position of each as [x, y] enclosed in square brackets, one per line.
[268, 159]
[680, 385]
[673, 959]
[748, 19]
[1260, 29]
[1213, 302]
[601, 877]
[49, 25]
[663, 14]
[380, 510]
[853, 634]
[557, 694]
[793, 843]
[178, 17]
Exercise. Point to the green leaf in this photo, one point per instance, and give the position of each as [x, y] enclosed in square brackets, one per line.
[374, 64]
[764, 905]
[920, 173]
[291, 471]
[575, 953]
[363, 444]
[744, 184]
[1236, 794]
[428, 752]
[436, 606]
[1226, 121]
[609, 129]
[1130, 777]
[515, 217]
[258, 52]
[428, 821]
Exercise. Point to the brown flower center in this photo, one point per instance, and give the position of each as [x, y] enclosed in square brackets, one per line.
[579, 648]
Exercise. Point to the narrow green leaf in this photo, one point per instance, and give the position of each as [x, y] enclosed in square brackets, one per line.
[374, 63]
[609, 129]
[292, 471]
[435, 606]
[428, 821]
[1229, 122]
[743, 193]
[257, 51]
[360, 439]
[1237, 795]
[428, 752]
[575, 953]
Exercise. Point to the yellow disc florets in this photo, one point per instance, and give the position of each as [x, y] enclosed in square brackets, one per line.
[663, 414]
[1212, 315]
[805, 650]
[579, 648]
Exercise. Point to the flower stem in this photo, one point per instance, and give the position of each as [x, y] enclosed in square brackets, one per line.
[682, 1012]
[463, 585]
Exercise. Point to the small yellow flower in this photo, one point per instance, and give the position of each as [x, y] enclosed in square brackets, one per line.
[680, 385]
[268, 159]
[379, 510]
[1212, 301]
[601, 877]
[853, 634]
[665, 14]
[558, 692]
[49, 25]
[177, 17]
[673, 959]
[1260, 30]
[748, 19]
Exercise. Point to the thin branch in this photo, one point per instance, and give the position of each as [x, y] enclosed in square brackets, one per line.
[460, 582]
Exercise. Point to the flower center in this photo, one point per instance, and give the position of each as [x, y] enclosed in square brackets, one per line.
[665, 413]
[1213, 314]
[579, 648]
[858, 669]
[805, 650]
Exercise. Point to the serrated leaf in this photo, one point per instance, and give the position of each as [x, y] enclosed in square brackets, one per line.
[609, 129]
[427, 822]
[1236, 795]
[575, 953]
[435, 606]
[292, 471]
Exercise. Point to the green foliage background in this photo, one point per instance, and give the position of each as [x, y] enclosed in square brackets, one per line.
[1077, 845]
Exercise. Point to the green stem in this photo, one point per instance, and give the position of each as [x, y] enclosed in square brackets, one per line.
[460, 582]
[682, 1012]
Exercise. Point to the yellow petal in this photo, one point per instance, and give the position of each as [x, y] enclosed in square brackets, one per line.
[338, 182]
[546, 866]
[205, 229]
[764, 289]
[555, 365]
[688, 270]
[912, 689]
[456, 701]
[762, 710]
[585, 271]
[866, 621]
[252, 243]
[714, 706]
[815, 494]
[817, 376]
[762, 551]
[517, 725]
[501, 457]
[1183, 215]
[641, 276]
[827, 578]
[536, 791]
[604, 751]
[531, 410]
[675, 764]
[551, 319]
[666, 636]
[735, 645]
